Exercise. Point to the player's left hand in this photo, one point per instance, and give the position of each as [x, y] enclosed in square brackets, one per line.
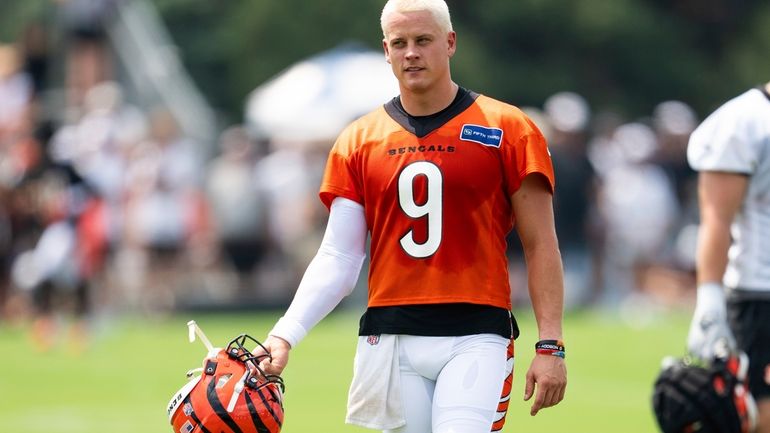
[278, 348]
[548, 374]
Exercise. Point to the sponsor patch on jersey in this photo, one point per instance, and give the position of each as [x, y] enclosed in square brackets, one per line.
[482, 134]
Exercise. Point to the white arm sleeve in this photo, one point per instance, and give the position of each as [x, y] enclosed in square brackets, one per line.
[331, 275]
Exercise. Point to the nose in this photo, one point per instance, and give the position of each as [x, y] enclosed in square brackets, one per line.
[412, 53]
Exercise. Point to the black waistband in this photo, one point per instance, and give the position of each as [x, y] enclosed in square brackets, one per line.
[439, 320]
[739, 295]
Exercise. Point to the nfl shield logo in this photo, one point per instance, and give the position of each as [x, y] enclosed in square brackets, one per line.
[373, 339]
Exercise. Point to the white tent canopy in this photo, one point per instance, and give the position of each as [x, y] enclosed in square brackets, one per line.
[316, 98]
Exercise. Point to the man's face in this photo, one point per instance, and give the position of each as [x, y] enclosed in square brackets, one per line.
[418, 50]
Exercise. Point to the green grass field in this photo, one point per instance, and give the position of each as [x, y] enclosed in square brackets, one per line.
[123, 382]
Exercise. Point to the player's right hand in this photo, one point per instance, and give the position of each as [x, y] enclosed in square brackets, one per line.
[279, 355]
[710, 334]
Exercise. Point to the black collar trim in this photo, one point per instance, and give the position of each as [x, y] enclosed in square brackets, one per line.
[424, 125]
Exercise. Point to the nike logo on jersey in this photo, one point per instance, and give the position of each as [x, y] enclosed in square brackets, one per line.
[481, 134]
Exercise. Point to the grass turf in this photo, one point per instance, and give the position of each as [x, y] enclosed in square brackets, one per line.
[124, 380]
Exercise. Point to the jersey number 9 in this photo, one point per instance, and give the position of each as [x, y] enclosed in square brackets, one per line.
[430, 209]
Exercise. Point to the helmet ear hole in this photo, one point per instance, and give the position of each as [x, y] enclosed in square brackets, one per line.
[222, 381]
[211, 367]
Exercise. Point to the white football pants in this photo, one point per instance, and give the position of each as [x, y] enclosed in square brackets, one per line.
[451, 384]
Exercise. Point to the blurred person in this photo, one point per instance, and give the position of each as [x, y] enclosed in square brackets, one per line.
[730, 150]
[96, 141]
[16, 93]
[437, 176]
[58, 271]
[286, 178]
[603, 155]
[88, 56]
[36, 52]
[575, 193]
[638, 207]
[22, 159]
[99, 141]
[164, 210]
[601, 149]
[237, 204]
[5, 250]
[673, 122]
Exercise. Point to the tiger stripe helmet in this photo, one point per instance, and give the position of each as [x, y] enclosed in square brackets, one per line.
[710, 398]
[230, 393]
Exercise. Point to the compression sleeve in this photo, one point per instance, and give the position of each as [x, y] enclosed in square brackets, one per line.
[331, 275]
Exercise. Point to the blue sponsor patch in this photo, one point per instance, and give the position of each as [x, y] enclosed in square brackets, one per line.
[482, 135]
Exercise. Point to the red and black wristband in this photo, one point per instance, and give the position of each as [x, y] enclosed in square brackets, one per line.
[550, 347]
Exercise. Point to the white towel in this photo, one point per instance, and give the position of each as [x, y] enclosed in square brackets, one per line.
[374, 400]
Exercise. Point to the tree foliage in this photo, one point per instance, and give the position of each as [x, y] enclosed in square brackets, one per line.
[626, 55]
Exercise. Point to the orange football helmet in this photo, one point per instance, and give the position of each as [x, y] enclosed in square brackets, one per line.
[230, 393]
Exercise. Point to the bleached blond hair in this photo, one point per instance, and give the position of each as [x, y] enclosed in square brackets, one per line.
[437, 8]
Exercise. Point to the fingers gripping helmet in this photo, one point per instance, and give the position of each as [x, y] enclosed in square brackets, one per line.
[230, 393]
[714, 398]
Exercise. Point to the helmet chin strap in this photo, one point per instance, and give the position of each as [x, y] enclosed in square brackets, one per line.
[193, 330]
[237, 390]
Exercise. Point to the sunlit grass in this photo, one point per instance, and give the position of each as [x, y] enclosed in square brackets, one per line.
[124, 380]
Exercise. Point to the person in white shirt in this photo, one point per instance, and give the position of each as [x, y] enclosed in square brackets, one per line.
[731, 152]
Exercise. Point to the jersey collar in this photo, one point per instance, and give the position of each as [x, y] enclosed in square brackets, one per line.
[424, 125]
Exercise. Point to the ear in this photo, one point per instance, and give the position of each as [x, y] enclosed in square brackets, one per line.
[386, 50]
[451, 43]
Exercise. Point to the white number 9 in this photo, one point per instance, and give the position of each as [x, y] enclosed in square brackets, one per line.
[432, 207]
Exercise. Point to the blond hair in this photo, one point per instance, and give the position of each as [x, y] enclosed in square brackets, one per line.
[437, 8]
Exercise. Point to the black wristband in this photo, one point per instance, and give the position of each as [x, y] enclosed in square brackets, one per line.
[555, 345]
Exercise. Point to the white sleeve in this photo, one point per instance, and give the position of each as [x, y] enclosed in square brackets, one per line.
[331, 275]
[725, 141]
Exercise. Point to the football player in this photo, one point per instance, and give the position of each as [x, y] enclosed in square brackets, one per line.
[731, 152]
[437, 177]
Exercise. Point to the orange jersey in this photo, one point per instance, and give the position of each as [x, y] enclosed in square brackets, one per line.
[438, 206]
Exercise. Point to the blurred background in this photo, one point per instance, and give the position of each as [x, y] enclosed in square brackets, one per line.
[161, 158]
